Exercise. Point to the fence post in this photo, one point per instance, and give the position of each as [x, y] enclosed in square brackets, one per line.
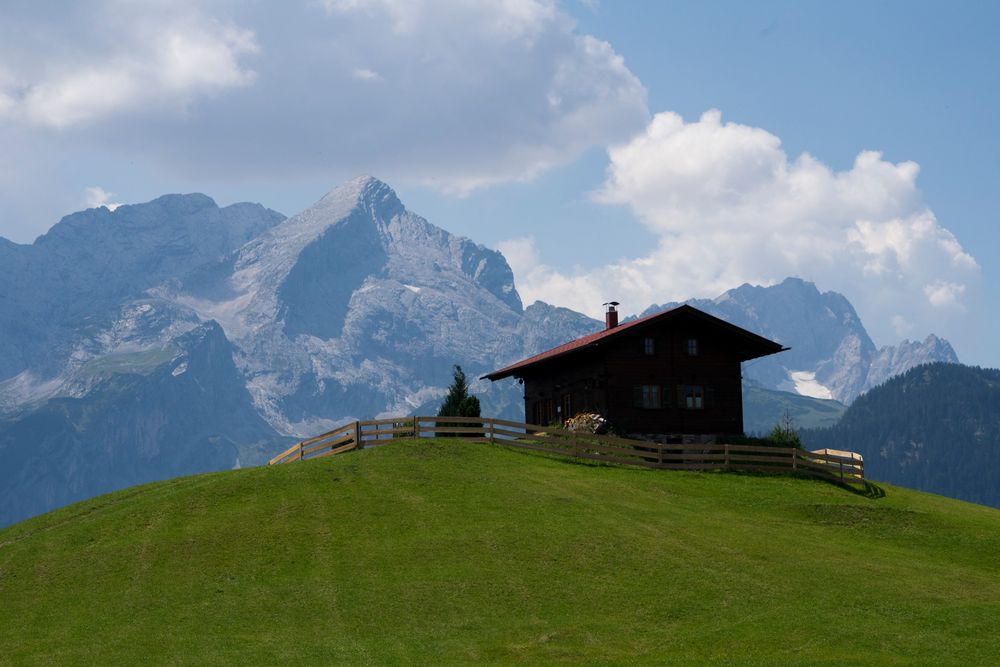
[298, 453]
[841, 472]
[357, 435]
[726, 449]
[490, 432]
[416, 433]
[795, 458]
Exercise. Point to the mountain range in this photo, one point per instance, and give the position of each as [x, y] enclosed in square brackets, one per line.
[176, 336]
[831, 355]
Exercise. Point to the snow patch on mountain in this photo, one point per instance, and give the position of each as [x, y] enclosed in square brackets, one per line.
[804, 383]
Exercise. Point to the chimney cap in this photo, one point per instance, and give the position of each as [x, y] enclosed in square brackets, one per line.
[611, 316]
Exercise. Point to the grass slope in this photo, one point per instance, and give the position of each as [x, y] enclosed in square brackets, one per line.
[448, 552]
[763, 409]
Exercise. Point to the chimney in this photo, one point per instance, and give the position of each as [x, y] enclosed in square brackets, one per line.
[611, 315]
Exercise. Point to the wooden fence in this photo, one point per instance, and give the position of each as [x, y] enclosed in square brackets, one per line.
[845, 467]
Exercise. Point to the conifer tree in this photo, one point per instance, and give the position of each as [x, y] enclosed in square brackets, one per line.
[458, 402]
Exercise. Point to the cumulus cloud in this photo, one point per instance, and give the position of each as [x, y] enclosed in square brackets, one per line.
[506, 19]
[729, 206]
[470, 93]
[942, 293]
[538, 281]
[167, 60]
[97, 196]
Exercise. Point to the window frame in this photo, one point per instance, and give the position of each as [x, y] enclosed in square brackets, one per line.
[693, 347]
[647, 396]
[694, 396]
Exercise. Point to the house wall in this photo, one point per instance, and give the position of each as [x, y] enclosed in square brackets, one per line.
[715, 368]
[583, 381]
[603, 380]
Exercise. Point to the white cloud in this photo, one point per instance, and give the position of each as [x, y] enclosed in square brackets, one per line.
[537, 281]
[476, 93]
[204, 58]
[97, 196]
[470, 93]
[505, 19]
[944, 294]
[901, 326]
[729, 207]
[366, 74]
[155, 65]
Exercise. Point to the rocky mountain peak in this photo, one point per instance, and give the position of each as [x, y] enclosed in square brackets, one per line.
[360, 205]
[365, 192]
[365, 200]
[893, 360]
[796, 284]
[177, 204]
[307, 270]
[831, 356]
[162, 213]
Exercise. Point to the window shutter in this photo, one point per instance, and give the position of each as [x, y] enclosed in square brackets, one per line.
[709, 397]
[680, 396]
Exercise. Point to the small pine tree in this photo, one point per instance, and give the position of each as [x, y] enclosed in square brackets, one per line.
[785, 434]
[458, 402]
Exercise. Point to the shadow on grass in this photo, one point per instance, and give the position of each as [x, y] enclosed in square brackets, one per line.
[869, 490]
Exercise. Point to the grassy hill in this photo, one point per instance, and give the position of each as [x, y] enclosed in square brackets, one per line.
[446, 552]
[763, 409]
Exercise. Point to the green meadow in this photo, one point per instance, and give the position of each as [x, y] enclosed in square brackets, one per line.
[447, 552]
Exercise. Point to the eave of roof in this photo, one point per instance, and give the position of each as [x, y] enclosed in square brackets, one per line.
[594, 339]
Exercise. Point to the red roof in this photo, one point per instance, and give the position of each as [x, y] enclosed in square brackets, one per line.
[767, 346]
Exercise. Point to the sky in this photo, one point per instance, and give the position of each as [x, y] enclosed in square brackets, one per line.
[638, 151]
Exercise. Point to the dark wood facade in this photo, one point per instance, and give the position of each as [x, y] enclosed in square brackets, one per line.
[677, 372]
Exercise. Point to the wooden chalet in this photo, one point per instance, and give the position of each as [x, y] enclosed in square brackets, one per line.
[672, 373]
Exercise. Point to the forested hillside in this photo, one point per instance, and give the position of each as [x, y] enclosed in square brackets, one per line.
[935, 428]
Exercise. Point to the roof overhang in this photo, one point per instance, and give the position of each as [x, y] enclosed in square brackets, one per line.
[754, 346]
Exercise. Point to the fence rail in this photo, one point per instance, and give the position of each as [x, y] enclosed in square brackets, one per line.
[845, 467]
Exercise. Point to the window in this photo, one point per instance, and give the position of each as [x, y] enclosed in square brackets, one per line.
[648, 346]
[647, 396]
[693, 347]
[542, 412]
[694, 396]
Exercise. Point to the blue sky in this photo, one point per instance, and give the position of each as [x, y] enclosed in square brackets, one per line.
[574, 136]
